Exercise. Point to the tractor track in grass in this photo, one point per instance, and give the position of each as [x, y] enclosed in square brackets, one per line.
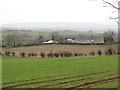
[94, 82]
[65, 82]
[40, 78]
[110, 81]
[54, 80]
[46, 78]
[37, 79]
[70, 81]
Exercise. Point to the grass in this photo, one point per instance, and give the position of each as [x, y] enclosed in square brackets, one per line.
[32, 33]
[107, 85]
[46, 33]
[58, 72]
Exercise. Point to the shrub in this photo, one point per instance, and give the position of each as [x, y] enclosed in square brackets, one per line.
[92, 53]
[62, 54]
[33, 54]
[99, 52]
[22, 54]
[81, 54]
[42, 54]
[7, 53]
[13, 53]
[70, 54]
[29, 54]
[50, 54]
[56, 54]
[109, 51]
[67, 54]
[118, 51]
[76, 54]
[106, 52]
[114, 52]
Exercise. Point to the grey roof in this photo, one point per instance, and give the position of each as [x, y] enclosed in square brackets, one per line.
[87, 37]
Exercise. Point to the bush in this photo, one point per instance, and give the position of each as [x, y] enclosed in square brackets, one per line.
[13, 53]
[114, 52]
[56, 54]
[109, 51]
[33, 54]
[7, 53]
[67, 54]
[92, 53]
[50, 54]
[118, 52]
[81, 54]
[99, 52]
[62, 54]
[42, 54]
[106, 52]
[29, 54]
[76, 54]
[70, 54]
[22, 54]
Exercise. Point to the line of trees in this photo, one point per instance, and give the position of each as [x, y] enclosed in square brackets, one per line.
[27, 40]
[109, 37]
[109, 51]
[13, 40]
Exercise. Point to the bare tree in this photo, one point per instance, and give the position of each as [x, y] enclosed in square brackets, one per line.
[108, 37]
[56, 37]
[11, 39]
[40, 39]
[115, 5]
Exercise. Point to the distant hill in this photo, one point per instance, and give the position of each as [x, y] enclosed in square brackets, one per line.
[46, 33]
[58, 26]
[46, 28]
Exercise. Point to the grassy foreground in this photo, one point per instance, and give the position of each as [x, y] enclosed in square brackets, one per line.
[71, 72]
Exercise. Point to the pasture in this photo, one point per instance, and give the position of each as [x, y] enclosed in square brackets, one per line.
[57, 48]
[70, 72]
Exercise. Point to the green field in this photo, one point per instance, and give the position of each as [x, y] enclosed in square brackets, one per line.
[71, 72]
[45, 33]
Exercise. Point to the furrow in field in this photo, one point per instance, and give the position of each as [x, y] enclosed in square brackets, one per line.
[106, 82]
[54, 80]
[42, 78]
[39, 78]
[100, 77]
[65, 82]
[93, 82]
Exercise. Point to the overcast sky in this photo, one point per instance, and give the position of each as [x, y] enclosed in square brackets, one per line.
[22, 11]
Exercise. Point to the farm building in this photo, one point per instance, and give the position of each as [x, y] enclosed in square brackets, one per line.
[50, 42]
[84, 39]
[68, 40]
